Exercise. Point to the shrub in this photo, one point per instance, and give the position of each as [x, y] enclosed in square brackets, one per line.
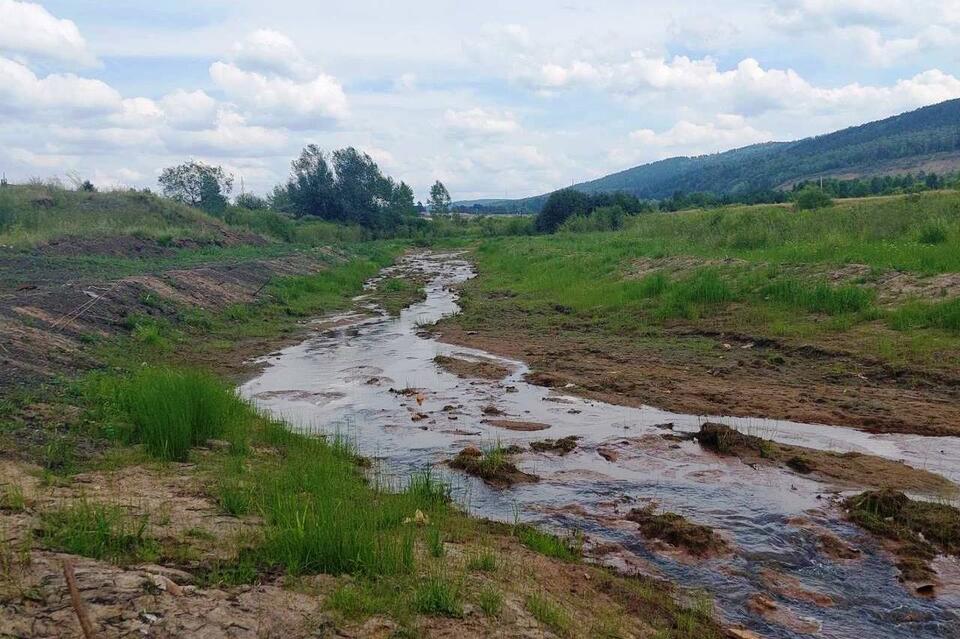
[933, 232]
[811, 197]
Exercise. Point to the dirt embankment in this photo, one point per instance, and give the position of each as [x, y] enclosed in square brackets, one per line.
[50, 315]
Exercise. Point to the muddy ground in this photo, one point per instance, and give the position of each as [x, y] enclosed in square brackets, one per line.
[716, 373]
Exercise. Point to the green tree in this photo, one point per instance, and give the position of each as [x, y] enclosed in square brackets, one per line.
[251, 202]
[559, 206]
[195, 182]
[439, 202]
[311, 189]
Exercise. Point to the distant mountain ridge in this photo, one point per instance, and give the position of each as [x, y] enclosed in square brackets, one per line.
[925, 139]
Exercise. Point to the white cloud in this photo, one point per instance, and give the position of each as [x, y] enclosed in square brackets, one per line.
[405, 83]
[275, 98]
[723, 132]
[22, 91]
[747, 88]
[231, 136]
[269, 51]
[480, 121]
[29, 29]
[189, 109]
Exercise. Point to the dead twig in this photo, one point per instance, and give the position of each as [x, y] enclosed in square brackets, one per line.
[76, 601]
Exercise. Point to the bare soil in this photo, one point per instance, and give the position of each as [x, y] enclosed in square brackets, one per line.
[482, 369]
[843, 470]
[720, 373]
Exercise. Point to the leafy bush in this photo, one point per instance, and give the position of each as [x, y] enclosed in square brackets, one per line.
[811, 198]
[607, 218]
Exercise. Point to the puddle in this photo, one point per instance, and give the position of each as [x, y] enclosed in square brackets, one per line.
[346, 378]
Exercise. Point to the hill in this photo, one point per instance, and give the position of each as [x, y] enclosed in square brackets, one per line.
[927, 139]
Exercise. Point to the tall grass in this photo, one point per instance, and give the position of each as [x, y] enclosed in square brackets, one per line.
[819, 297]
[322, 515]
[170, 411]
[943, 315]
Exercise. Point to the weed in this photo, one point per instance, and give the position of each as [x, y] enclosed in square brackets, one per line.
[484, 561]
[12, 499]
[99, 531]
[173, 410]
[438, 596]
[491, 601]
[550, 614]
[549, 544]
[435, 542]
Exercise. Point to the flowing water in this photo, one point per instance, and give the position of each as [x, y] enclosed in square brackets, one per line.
[344, 376]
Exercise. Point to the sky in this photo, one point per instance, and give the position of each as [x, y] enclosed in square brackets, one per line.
[496, 98]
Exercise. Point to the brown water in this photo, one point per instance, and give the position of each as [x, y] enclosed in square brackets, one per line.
[339, 379]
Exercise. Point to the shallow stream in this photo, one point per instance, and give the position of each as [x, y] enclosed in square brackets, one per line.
[340, 379]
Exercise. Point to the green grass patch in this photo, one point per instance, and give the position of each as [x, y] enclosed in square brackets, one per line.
[490, 601]
[550, 614]
[819, 297]
[914, 315]
[549, 544]
[438, 596]
[99, 531]
[171, 410]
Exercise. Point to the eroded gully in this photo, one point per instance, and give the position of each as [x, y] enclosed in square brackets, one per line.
[340, 379]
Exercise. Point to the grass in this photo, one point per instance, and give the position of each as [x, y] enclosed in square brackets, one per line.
[490, 601]
[171, 410]
[12, 499]
[549, 544]
[439, 596]
[763, 270]
[100, 531]
[484, 561]
[550, 614]
[33, 214]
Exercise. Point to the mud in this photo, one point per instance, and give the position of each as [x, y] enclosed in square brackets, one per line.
[482, 369]
[499, 473]
[915, 531]
[718, 373]
[561, 446]
[677, 531]
[47, 323]
[840, 470]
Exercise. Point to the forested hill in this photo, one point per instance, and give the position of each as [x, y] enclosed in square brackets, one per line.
[926, 139]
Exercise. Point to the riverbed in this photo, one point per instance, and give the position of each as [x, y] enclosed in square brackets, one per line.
[372, 378]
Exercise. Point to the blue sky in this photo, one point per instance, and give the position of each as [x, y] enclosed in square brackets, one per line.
[495, 99]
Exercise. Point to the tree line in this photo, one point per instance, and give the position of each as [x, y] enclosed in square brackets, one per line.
[345, 186]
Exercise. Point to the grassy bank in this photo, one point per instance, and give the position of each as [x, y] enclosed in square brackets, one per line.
[769, 271]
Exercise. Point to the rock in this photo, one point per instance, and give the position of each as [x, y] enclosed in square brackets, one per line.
[742, 633]
[608, 454]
